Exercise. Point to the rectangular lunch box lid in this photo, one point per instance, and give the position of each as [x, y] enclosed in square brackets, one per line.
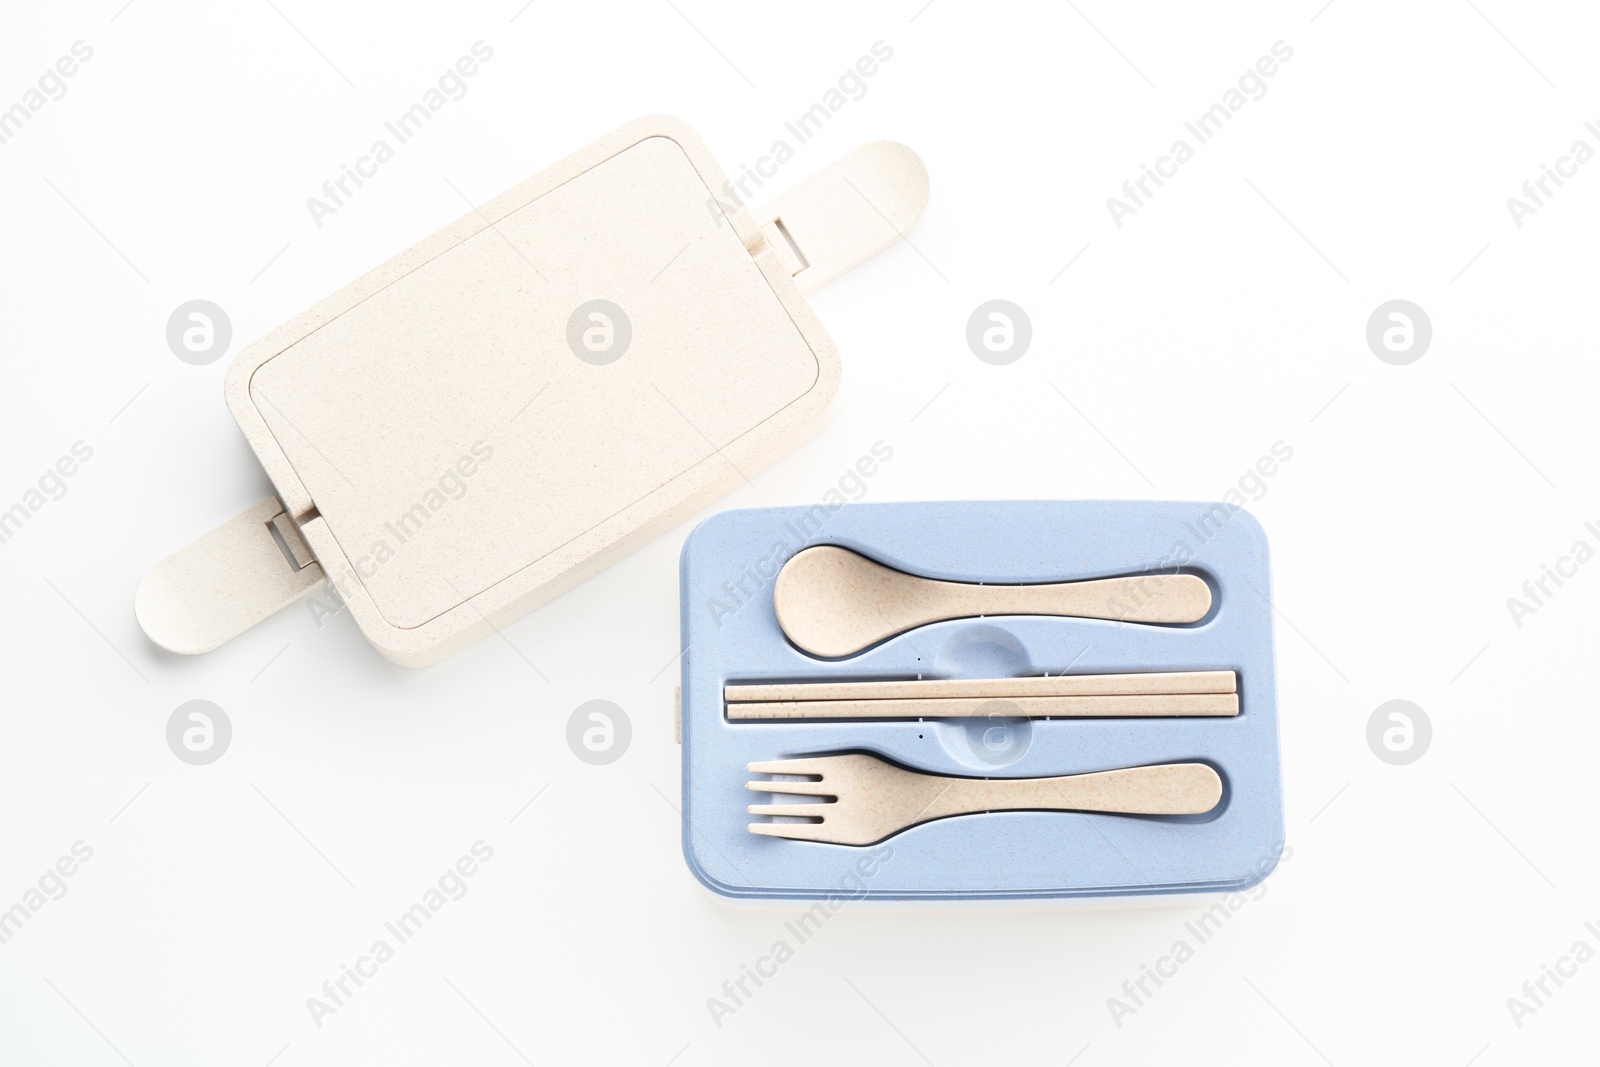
[513, 403]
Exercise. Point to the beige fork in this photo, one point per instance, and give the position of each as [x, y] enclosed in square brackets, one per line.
[873, 799]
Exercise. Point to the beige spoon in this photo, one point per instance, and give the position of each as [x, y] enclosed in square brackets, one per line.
[833, 602]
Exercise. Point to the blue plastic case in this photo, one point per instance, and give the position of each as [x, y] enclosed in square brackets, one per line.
[731, 635]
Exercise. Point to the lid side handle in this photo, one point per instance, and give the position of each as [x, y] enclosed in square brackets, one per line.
[216, 588]
[850, 210]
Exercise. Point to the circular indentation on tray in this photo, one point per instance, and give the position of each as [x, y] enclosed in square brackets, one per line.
[997, 736]
[981, 650]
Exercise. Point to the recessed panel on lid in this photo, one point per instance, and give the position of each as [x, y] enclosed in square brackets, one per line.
[449, 435]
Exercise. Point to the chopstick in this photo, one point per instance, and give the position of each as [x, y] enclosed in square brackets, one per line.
[1165, 705]
[1065, 685]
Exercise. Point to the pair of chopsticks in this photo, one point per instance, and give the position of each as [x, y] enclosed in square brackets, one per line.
[1171, 694]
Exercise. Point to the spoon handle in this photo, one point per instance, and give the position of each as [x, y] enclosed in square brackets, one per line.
[1160, 598]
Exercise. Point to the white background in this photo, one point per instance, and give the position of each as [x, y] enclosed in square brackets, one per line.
[1226, 315]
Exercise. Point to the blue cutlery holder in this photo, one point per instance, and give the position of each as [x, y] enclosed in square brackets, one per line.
[731, 636]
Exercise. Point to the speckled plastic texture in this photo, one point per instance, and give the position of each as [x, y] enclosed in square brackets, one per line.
[731, 635]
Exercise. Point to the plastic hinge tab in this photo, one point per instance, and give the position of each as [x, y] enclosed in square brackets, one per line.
[847, 212]
[216, 588]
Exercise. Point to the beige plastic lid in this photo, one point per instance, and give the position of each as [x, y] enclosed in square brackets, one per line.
[510, 405]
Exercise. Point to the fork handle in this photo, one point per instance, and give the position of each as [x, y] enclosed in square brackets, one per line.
[1160, 789]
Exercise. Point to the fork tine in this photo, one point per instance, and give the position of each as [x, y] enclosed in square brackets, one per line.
[810, 811]
[797, 831]
[822, 789]
[813, 765]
